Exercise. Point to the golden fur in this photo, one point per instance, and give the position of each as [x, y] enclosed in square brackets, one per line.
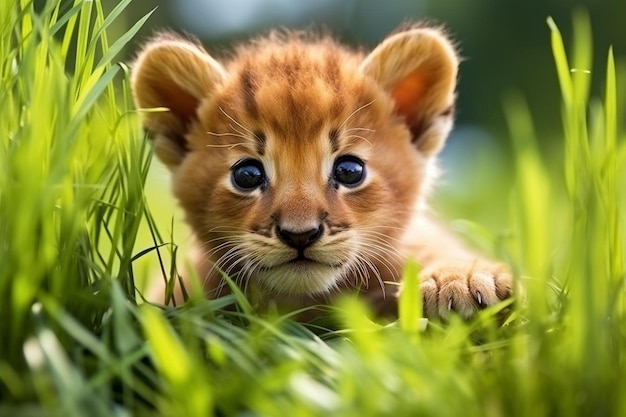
[295, 108]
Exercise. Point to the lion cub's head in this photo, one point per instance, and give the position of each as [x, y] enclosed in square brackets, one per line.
[299, 163]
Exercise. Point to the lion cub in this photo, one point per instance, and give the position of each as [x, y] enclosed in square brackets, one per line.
[302, 166]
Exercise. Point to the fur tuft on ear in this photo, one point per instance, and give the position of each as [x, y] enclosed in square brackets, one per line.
[177, 74]
[418, 68]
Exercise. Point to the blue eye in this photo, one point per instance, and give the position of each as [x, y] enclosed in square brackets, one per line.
[248, 175]
[349, 171]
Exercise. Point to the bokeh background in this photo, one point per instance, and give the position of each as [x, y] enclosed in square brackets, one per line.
[506, 50]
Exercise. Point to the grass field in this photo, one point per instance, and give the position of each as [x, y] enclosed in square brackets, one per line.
[76, 232]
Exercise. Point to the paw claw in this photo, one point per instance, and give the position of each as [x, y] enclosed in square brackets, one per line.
[463, 289]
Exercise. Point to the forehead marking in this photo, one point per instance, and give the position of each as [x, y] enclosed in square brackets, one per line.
[249, 92]
[333, 136]
[261, 141]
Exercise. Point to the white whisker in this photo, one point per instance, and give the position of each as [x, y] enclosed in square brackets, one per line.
[364, 129]
[237, 134]
[232, 119]
[353, 113]
[358, 137]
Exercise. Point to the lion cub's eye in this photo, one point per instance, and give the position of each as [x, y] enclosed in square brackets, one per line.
[349, 171]
[248, 175]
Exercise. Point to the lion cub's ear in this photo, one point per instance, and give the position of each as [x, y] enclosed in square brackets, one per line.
[418, 69]
[177, 74]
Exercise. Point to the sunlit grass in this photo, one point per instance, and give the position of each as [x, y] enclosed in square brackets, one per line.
[74, 225]
[72, 172]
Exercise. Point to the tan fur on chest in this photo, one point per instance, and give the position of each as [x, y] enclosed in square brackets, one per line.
[301, 165]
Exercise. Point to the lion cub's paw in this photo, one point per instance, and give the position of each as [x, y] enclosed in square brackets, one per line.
[463, 288]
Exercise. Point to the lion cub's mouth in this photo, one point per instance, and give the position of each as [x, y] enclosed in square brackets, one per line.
[302, 260]
[301, 275]
[305, 262]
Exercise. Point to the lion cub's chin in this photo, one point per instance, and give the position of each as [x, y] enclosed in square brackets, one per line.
[305, 277]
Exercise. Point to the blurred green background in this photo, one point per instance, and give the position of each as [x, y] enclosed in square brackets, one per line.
[506, 49]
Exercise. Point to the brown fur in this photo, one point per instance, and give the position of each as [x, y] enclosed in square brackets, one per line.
[296, 104]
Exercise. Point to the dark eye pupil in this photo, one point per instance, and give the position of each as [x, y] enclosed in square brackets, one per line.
[248, 175]
[349, 171]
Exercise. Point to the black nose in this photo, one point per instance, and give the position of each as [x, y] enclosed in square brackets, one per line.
[300, 240]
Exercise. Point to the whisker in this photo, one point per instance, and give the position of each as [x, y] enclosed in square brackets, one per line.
[353, 113]
[228, 146]
[358, 137]
[237, 134]
[369, 265]
[390, 267]
[236, 122]
[378, 241]
[365, 129]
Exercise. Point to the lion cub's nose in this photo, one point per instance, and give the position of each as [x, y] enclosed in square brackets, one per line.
[299, 240]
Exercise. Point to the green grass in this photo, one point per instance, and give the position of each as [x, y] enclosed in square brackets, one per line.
[76, 340]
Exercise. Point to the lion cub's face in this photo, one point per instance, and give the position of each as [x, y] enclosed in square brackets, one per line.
[299, 163]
